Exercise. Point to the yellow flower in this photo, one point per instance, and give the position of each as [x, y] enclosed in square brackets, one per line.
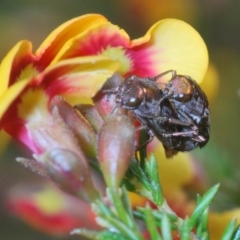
[79, 56]
[74, 61]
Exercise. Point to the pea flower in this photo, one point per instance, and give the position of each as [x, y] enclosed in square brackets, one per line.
[48, 209]
[77, 58]
[38, 91]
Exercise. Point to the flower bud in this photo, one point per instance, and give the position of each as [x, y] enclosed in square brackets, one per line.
[70, 173]
[91, 114]
[105, 102]
[115, 148]
[78, 125]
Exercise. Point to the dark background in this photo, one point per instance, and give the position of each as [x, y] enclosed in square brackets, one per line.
[218, 24]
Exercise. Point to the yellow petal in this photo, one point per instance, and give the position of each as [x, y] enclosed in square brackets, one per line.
[33, 106]
[74, 100]
[47, 209]
[81, 77]
[219, 221]
[13, 62]
[173, 44]
[210, 83]
[49, 201]
[11, 94]
[53, 43]
[102, 39]
[174, 173]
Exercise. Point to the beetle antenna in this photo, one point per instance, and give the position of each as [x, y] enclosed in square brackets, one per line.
[111, 91]
[115, 107]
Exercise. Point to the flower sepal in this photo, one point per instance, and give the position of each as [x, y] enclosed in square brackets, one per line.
[81, 129]
[116, 146]
[65, 169]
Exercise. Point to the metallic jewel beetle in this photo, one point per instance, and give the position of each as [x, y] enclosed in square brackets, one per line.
[177, 113]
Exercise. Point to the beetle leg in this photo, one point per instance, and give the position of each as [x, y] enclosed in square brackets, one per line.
[178, 122]
[199, 139]
[194, 127]
[163, 98]
[196, 138]
[175, 121]
[144, 126]
[183, 114]
[194, 131]
[188, 122]
[179, 134]
[151, 136]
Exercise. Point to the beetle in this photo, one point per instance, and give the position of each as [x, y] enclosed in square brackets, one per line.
[177, 113]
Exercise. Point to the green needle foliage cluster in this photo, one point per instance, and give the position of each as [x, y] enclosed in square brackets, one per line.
[121, 222]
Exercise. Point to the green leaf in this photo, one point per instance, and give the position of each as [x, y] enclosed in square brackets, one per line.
[236, 234]
[185, 230]
[139, 173]
[107, 235]
[229, 230]
[119, 217]
[156, 190]
[204, 236]
[158, 215]
[116, 199]
[203, 203]
[202, 226]
[166, 228]
[101, 209]
[151, 224]
[124, 229]
[126, 202]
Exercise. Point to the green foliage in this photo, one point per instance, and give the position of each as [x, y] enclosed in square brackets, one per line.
[115, 214]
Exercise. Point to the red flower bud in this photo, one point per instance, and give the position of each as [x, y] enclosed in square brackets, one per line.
[116, 148]
[105, 103]
[78, 125]
[70, 173]
[91, 114]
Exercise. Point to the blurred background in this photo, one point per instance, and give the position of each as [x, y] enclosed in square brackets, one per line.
[218, 24]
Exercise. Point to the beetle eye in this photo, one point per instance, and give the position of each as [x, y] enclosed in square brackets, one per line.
[133, 102]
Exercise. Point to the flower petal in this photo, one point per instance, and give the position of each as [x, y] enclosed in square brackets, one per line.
[31, 106]
[105, 40]
[47, 209]
[10, 95]
[53, 43]
[210, 83]
[81, 77]
[17, 59]
[170, 44]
